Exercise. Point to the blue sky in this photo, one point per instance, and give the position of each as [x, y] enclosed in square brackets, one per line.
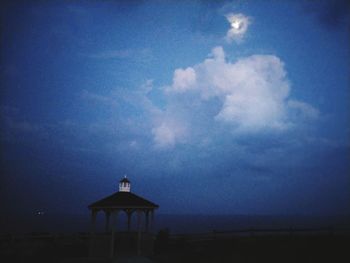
[235, 107]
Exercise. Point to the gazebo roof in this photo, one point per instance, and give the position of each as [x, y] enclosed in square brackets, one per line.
[122, 200]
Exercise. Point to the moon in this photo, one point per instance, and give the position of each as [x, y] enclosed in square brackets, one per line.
[236, 24]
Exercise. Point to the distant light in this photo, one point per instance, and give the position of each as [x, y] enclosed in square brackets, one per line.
[40, 213]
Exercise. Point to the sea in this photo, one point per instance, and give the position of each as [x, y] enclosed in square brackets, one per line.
[42, 222]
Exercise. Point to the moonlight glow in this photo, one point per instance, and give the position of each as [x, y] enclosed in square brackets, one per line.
[239, 25]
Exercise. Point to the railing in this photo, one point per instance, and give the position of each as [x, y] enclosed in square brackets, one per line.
[206, 235]
[251, 232]
[60, 236]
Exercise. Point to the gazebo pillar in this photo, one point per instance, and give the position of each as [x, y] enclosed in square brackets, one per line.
[129, 213]
[93, 221]
[113, 229]
[92, 230]
[147, 220]
[139, 232]
[108, 215]
[152, 220]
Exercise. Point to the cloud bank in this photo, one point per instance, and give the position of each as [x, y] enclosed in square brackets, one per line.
[251, 95]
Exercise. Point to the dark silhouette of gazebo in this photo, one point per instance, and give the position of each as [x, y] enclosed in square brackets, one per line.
[123, 201]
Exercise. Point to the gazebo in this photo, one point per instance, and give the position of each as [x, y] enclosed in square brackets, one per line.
[123, 201]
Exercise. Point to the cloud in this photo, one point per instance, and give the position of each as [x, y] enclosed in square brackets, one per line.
[98, 99]
[239, 25]
[252, 93]
[214, 98]
[24, 126]
[184, 79]
[14, 126]
[168, 132]
[144, 54]
[303, 109]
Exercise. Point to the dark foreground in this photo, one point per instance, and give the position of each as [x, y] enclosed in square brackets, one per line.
[264, 248]
[260, 249]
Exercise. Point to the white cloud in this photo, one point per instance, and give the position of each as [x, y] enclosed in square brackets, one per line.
[239, 25]
[218, 53]
[253, 91]
[303, 109]
[252, 112]
[98, 99]
[168, 132]
[184, 79]
[147, 87]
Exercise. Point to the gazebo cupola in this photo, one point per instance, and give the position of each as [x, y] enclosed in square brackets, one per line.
[124, 185]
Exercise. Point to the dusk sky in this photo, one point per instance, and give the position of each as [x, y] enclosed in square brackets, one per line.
[215, 107]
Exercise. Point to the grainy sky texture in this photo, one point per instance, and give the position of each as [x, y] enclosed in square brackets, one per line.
[214, 107]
